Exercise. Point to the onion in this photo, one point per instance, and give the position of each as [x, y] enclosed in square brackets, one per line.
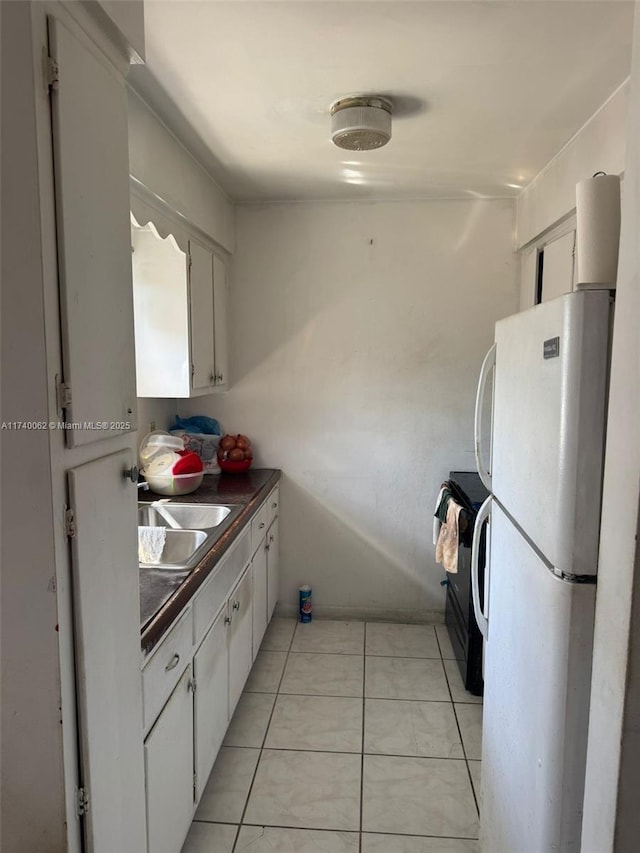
[236, 455]
[227, 442]
[243, 442]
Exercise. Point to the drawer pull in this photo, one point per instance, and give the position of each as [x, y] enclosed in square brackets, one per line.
[173, 663]
[261, 525]
[236, 605]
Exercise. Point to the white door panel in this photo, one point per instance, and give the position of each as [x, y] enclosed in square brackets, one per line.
[90, 141]
[202, 323]
[557, 268]
[548, 424]
[220, 296]
[107, 633]
[536, 700]
[211, 699]
[260, 618]
[168, 755]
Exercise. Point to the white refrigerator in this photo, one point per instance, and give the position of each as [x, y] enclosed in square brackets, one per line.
[546, 448]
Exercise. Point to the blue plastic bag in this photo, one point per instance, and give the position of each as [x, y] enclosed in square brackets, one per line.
[198, 424]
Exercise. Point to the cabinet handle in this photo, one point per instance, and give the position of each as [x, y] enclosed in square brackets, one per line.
[131, 474]
[261, 525]
[274, 505]
[227, 620]
[266, 547]
[173, 663]
[220, 378]
[236, 605]
[213, 379]
[271, 538]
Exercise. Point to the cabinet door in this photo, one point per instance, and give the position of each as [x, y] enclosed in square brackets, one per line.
[201, 309]
[161, 310]
[259, 568]
[168, 759]
[105, 583]
[557, 267]
[273, 567]
[220, 318]
[91, 161]
[240, 633]
[211, 699]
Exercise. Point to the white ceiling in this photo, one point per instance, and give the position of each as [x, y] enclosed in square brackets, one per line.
[485, 92]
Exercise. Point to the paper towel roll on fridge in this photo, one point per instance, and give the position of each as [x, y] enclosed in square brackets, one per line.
[597, 231]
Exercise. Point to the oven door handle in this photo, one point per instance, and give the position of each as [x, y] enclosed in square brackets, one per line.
[484, 513]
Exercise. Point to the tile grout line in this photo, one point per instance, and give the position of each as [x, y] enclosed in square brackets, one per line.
[377, 698]
[266, 732]
[364, 676]
[464, 749]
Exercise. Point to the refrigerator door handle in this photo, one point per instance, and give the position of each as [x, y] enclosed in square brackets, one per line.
[483, 513]
[487, 365]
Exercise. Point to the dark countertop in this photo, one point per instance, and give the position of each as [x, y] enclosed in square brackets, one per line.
[165, 593]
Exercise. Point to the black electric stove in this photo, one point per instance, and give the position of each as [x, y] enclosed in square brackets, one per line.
[460, 619]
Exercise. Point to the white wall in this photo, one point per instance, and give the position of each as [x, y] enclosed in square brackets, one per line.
[612, 820]
[357, 335]
[160, 162]
[164, 166]
[599, 146]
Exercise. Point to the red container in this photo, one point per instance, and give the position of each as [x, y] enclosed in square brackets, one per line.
[234, 467]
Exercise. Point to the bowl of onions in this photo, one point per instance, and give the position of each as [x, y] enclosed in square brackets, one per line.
[234, 453]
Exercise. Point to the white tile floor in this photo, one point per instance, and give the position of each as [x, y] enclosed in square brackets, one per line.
[349, 738]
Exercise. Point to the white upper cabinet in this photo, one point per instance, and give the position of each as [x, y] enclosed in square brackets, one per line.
[203, 366]
[89, 110]
[180, 304]
[558, 267]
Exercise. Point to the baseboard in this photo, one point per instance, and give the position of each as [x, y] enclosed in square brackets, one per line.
[366, 614]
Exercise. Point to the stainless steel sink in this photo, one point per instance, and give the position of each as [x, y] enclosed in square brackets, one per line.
[179, 547]
[192, 529]
[185, 516]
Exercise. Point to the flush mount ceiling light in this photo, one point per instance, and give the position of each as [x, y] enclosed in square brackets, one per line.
[361, 123]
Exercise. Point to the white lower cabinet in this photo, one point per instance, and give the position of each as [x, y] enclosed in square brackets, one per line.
[259, 569]
[211, 699]
[168, 762]
[217, 638]
[240, 637]
[273, 567]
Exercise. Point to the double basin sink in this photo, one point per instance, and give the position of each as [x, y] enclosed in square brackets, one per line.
[191, 530]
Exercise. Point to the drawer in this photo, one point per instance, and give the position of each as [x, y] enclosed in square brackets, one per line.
[161, 674]
[214, 592]
[273, 502]
[258, 527]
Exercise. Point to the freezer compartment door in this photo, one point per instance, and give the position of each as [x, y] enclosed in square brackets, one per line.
[536, 700]
[549, 424]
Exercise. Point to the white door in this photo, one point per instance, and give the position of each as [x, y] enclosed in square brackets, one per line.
[259, 568]
[211, 699]
[240, 631]
[201, 308]
[90, 142]
[168, 758]
[107, 635]
[549, 412]
[273, 567]
[220, 286]
[536, 700]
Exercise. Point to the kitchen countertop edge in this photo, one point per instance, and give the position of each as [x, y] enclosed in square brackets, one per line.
[161, 621]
